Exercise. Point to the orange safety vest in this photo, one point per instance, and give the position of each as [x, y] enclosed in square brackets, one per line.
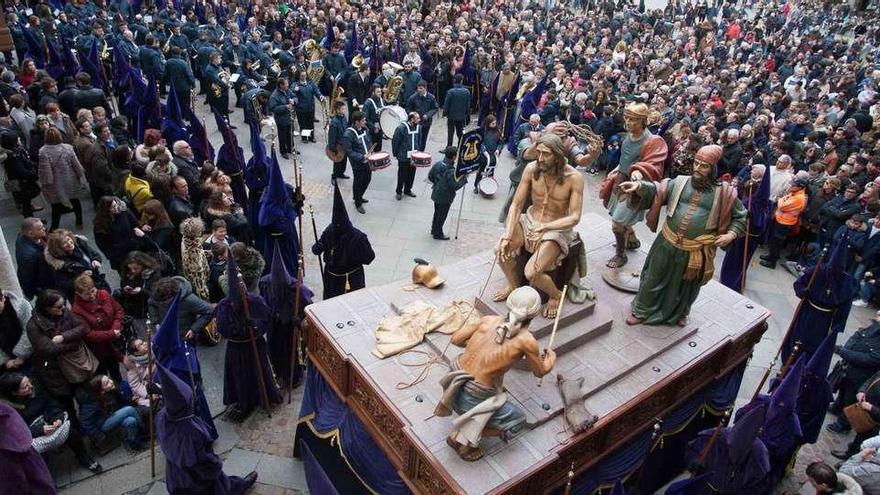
[790, 207]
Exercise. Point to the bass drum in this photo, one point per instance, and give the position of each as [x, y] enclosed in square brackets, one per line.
[389, 118]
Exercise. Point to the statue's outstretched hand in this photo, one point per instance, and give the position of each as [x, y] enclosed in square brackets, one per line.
[629, 187]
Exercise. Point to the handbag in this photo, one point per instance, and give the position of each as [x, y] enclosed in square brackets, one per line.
[79, 365]
[52, 441]
[859, 419]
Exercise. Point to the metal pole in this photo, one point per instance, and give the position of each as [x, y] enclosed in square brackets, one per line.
[460, 207]
[742, 276]
[150, 399]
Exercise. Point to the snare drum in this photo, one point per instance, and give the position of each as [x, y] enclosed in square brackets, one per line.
[488, 186]
[379, 160]
[420, 159]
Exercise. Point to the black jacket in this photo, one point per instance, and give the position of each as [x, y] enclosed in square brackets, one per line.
[861, 354]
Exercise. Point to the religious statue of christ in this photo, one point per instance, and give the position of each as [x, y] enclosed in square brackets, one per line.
[546, 229]
[701, 215]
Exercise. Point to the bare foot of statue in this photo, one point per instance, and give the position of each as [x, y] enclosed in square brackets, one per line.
[502, 294]
[682, 321]
[617, 261]
[551, 308]
[469, 454]
[633, 320]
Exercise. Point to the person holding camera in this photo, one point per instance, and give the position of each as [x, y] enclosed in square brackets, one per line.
[102, 316]
[50, 425]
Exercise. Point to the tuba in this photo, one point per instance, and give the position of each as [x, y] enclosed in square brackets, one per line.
[392, 88]
[315, 71]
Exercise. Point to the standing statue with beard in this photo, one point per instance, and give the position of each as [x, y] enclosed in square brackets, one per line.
[546, 229]
[701, 215]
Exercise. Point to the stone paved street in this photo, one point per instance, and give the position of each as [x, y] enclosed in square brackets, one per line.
[399, 231]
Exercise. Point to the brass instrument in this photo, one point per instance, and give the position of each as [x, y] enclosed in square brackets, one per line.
[357, 61]
[276, 67]
[167, 45]
[392, 88]
[315, 71]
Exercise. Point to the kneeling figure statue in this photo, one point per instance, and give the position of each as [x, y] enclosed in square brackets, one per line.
[473, 388]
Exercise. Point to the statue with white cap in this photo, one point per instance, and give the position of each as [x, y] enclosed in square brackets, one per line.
[473, 387]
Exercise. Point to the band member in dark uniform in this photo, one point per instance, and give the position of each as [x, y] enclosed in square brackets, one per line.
[357, 147]
[282, 106]
[335, 137]
[371, 108]
[426, 105]
[407, 138]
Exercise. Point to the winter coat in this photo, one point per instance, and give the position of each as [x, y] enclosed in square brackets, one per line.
[62, 178]
[40, 331]
[865, 472]
[102, 316]
[92, 414]
[95, 160]
[67, 268]
[40, 403]
[21, 174]
[120, 240]
[194, 313]
[442, 176]
[137, 376]
[34, 274]
[22, 348]
[861, 354]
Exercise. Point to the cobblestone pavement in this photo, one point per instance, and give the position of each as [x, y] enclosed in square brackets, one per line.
[399, 231]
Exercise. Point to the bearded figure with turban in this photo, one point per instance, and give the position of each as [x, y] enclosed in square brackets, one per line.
[701, 216]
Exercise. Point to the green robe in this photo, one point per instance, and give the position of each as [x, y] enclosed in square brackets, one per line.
[664, 295]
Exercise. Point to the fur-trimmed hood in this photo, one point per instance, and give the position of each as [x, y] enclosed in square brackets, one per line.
[57, 263]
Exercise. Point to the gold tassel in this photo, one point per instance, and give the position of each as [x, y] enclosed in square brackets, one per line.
[347, 284]
[570, 477]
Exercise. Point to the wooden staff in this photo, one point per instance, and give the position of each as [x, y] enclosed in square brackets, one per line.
[555, 326]
[150, 399]
[315, 232]
[704, 455]
[794, 317]
[788, 362]
[742, 276]
[296, 331]
[253, 338]
[299, 218]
